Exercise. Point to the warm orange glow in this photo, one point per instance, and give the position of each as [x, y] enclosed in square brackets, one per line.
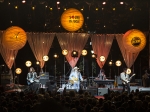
[134, 41]
[14, 38]
[72, 19]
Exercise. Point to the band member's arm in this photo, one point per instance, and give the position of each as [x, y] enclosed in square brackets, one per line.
[28, 77]
[123, 77]
[80, 77]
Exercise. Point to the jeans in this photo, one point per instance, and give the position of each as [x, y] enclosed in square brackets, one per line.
[76, 85]
[128, 87]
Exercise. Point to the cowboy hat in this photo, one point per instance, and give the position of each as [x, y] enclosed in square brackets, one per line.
[75, 68]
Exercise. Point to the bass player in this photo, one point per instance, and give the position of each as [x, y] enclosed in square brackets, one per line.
[126, 79]
[32, 78]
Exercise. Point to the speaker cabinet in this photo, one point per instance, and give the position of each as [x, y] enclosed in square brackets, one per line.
[133, 88]
[144, 89]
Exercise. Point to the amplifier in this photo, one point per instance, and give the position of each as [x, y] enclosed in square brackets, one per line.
[102, 91]
[144, 89]
[133, 88]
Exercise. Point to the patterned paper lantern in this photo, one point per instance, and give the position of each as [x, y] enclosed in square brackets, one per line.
[28, 63]
[18, 70]
[84, 52]
[134, 40]
[14, 38]
[72, 19]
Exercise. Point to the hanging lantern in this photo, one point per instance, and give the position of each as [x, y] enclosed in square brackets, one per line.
[45, 58]
[72, 19]
[102, 58]
[118, 63]
[84, 52]
[134, 40]
[14, 38]
[128, 71]
[28, 63]
[64, 52]
[18, 71]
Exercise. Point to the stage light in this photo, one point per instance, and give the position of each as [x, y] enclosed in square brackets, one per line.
[110, 63]
[23, 1]
[55, 55]
[58, 2]
[92, 51]
[16, 7]
[114, 9]
[130, 9]
[121, 3]
[51, 8]
[37, 62]
[74, 53]
[33, 8]
[96, 9]
[94, 56]
[104, 3]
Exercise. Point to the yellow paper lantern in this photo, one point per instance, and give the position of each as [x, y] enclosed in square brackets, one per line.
[64, 52]
[84, 52]
[28, 63]
[14, 38]
[72, 19]
[45, 58]
[134, 40]
[18, 70]
[102, 58]
[118, 63]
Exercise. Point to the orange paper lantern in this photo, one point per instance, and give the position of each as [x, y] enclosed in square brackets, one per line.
[134, 40]
[72, 19]
[14, 38]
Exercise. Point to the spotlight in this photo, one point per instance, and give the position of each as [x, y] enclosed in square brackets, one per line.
[74, 53]
[23, 1]
[104, 3]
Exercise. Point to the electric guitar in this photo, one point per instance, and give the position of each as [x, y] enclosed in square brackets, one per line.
[32, 80]
[128, 80]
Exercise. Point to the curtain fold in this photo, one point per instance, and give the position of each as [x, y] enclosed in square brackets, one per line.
[8, 55]
[129, 57]
[101, 44]
[40, 44]
[70, 42]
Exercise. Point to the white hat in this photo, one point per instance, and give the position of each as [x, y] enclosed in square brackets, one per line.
[75, 68]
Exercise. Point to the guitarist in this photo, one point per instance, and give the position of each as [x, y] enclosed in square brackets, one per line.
[76, 77]
[31, 78]
[126, 79]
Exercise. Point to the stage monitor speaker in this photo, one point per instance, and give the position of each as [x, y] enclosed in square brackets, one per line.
[133, 88]
[102, 91]
[44, 77]
[144, 89]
